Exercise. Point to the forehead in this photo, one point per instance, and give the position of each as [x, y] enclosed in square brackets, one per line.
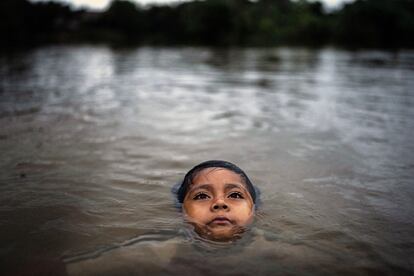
[216, 175]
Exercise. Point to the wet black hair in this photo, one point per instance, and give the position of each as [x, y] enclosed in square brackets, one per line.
[191, 174]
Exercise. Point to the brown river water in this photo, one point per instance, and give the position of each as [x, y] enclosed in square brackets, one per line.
[93, 138]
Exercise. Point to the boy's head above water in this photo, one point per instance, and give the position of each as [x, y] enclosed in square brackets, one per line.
[218, 199]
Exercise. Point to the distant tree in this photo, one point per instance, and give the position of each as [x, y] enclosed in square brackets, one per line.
[362, 23]
[124, 16]
[207, 22]
[310, 25]
[162, 25]
[376, 23]
[15, 16]
[23, 22]
[49, 17]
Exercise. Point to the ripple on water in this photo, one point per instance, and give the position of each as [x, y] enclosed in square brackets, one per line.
[93, 139]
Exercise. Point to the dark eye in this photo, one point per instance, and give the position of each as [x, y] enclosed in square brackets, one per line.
[201, 196]
[236, 195]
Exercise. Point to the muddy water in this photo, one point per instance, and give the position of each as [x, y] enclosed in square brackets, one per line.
[92, 139]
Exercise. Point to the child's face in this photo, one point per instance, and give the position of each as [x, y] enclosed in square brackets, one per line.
[218, 204]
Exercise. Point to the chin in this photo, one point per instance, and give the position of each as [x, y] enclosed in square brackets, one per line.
[224, 237]
[221, 234]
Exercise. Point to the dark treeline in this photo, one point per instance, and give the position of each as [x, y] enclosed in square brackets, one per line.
[363, 23]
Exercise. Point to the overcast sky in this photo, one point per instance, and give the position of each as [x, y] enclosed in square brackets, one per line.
[100, 4]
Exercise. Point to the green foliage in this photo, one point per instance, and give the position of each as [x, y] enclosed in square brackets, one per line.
[373, 23]
[363, 23]
[123, 16]
[13, 25]
[208, 22]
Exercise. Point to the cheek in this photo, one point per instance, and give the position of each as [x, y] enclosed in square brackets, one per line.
[195, 211]
[244, 213]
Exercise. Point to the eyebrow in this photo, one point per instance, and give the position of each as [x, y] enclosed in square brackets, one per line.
[227, 186]
[202, 186]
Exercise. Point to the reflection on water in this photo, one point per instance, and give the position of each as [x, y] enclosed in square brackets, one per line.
[93, 138]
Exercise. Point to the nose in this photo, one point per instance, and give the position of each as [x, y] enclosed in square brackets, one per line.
[220, 205]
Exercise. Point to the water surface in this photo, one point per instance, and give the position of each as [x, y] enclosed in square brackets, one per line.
[92, 139]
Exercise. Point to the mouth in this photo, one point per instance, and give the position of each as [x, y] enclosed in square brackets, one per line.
[220, 221]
